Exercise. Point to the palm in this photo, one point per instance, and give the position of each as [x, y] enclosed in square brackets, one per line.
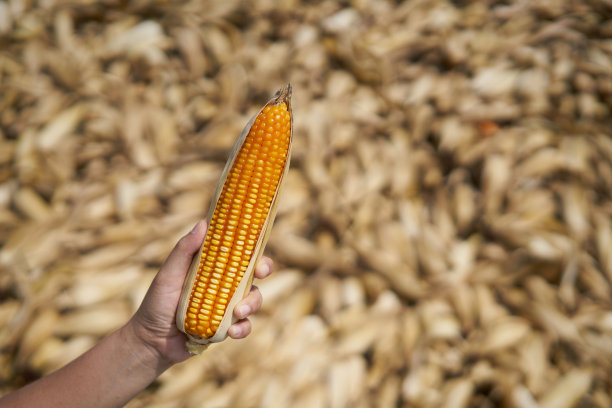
[158, 312]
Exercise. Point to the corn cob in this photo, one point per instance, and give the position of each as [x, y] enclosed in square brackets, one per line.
[239, 220]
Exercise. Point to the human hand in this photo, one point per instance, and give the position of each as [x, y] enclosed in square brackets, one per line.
[154, 323]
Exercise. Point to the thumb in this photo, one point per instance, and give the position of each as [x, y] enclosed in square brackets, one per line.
[181, 256]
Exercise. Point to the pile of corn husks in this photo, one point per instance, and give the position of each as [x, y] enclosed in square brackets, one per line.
[445, 234]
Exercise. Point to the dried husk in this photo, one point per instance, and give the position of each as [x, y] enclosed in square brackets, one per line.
[444, 229]
[195, 344]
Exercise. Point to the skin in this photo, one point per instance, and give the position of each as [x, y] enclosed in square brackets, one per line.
[129, 359]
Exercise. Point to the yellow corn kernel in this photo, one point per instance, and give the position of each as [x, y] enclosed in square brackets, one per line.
[238, 219]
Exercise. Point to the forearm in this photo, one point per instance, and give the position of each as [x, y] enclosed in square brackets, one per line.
[108, 375]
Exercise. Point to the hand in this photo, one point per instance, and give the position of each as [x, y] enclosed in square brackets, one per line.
[154, 322]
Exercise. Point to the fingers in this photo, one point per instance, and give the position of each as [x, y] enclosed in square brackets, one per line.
[180, 258]
[240, 329]
[245, 308]
[264, 268]
[252, 302]
[249, 304]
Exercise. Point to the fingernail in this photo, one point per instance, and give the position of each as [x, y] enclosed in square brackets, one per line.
[265, 269]
[244, 311]
[234, 331]
[195, 228]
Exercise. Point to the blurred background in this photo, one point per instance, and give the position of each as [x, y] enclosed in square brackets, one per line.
[445, 234]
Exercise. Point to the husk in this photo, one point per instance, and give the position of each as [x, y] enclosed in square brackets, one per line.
[195, 344]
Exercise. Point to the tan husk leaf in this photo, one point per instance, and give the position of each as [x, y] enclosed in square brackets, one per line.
[195, 344]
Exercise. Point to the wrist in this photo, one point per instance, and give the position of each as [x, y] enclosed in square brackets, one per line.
[143, 348]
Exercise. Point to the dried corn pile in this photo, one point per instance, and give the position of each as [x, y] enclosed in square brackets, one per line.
[445, 235]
